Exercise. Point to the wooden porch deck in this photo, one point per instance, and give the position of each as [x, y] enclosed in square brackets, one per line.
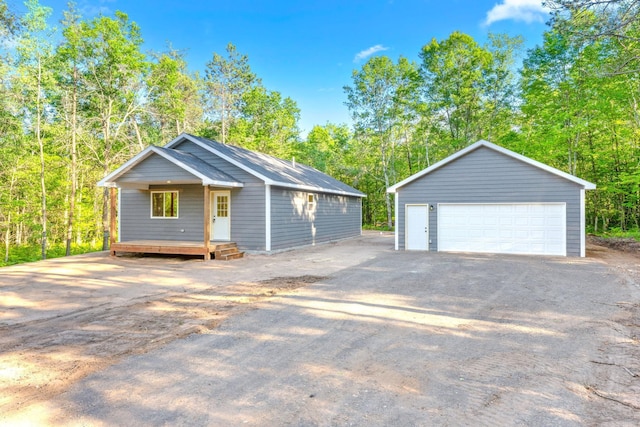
[221, 250]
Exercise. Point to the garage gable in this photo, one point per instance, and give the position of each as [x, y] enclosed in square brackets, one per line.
[488, 146]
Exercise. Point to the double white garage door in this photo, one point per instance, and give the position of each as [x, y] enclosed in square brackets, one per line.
[518, 228]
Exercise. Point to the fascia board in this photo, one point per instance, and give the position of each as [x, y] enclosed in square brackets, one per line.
[315, 189]
[109, 180]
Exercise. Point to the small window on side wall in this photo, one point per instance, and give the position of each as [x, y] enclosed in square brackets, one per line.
[164, 204]
[311, 199]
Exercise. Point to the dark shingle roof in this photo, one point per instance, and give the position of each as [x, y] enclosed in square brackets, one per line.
[275, 171]
[198, 165]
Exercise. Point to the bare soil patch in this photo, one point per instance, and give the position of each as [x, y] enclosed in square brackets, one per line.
[40, 359]
[617, 367]
[383, 338]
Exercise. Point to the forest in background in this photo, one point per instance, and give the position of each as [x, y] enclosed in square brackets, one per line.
[79, 100]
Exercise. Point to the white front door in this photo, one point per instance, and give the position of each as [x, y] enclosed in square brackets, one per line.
[417, 234]
[220, 215]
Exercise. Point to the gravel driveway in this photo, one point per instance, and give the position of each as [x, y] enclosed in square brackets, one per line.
[390, 338]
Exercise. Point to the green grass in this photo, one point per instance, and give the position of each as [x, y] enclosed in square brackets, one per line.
[31, 253]
[377, 227]
[618, 233]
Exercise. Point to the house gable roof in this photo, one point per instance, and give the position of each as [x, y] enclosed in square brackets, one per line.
[208, 174]
[482, 143]
[271, 170]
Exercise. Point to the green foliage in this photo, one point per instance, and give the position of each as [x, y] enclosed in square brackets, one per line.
[267, 123]
[31, 253]
[617, 232]
[227, 80]
[377, 227]
[174, 98]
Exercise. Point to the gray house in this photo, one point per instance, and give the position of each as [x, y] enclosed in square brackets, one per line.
[486, 198]
[194, 194]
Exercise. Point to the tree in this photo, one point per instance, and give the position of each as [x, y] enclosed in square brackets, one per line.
[69, 80]
[617, 20]
[267, 123]
[35, 54]
[226, 82]
[375, 101]
[584, 121]
[174, 99]
[114, 69]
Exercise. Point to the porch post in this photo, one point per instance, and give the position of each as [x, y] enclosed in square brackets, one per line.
[113, 200]
[207, 222]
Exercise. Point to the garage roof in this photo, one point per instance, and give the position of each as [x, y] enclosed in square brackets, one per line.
[482, 143]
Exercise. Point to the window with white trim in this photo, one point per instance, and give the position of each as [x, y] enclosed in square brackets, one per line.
[311, 199]
[164, 204]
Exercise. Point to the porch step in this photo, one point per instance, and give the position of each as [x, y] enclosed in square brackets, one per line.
[227, 251]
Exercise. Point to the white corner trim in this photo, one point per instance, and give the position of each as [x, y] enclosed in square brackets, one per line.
[267, 217]
[583, 243]
[396, 203]
[119, 190]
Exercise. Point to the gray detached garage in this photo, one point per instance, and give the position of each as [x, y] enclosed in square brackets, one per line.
[488, 199]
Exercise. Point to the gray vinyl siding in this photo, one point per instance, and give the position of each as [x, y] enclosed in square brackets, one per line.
[136, 222]
[248, 217]
[156, 168]
[247, 203]
[295, 223]
[487, 176]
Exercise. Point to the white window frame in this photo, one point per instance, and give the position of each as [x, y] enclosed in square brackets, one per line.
[312, 200]
[164, 192]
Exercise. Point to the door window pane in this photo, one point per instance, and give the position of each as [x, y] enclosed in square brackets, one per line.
[222, 206]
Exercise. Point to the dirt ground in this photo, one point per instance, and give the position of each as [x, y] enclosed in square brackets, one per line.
[88, 340]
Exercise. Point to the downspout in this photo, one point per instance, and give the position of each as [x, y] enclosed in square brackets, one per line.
[582, 225]
[119, 217]
[395, 226]
[267, 217]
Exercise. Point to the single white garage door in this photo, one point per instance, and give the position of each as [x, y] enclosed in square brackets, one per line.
[519, 228]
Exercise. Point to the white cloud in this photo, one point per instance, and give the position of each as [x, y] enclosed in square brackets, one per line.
[368, 52]
[518, 10]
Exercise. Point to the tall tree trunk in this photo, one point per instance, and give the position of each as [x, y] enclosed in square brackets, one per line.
[43, 188]
[387, 197]
[74, 166]
[105, 171]
[7, 239]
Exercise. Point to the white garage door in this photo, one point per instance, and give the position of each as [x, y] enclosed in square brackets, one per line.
[522, 228]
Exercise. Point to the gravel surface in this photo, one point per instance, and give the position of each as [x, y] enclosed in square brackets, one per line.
[351, 333]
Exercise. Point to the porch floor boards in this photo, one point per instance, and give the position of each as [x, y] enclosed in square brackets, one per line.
[172, 247]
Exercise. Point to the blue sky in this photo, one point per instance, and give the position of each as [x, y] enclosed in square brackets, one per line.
[307, 49]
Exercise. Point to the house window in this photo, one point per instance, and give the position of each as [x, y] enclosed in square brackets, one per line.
[311, 199]
[164, 204]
